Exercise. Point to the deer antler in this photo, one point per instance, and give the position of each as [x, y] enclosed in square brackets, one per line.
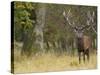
[90, 21]
[67, 16]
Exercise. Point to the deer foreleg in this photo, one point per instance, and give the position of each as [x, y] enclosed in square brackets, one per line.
[79, 54]
[87, 53]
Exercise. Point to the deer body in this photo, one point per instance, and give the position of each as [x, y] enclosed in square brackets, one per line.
[83, 42]
[83, 46]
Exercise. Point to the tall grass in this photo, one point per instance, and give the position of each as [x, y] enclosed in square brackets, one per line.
[50, 62]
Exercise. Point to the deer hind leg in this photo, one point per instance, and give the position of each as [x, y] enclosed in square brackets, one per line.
[84, 56]
[87, 53]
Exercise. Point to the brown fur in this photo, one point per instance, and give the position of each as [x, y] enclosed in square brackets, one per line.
[84, 46]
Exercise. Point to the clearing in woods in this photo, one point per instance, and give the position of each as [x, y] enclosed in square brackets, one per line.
[51, 62]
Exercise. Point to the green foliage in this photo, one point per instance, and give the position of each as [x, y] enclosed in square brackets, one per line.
[22, 18]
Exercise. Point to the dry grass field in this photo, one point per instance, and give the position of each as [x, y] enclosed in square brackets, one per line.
[50, 36]
[51, 62]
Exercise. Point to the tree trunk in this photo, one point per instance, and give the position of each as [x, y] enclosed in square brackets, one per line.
[40, 22]
[95, 43]
[27, 42]
[33, 38]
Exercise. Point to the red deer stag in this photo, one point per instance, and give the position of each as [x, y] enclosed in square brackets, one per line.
[83, 42]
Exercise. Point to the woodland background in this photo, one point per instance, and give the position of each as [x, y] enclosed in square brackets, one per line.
[41, 31]
[41, 27]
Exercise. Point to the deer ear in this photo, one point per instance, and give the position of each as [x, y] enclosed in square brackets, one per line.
[75, 29]
[82, 31]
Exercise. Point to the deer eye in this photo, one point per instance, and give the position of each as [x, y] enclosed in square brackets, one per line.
[76, 29]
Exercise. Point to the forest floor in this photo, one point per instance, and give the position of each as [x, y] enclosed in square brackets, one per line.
[50, 62]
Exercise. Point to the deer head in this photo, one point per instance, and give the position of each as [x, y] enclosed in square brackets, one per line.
[79, 30]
